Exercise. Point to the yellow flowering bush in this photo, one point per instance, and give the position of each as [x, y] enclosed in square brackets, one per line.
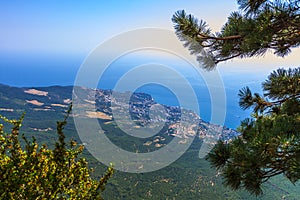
[34, 172]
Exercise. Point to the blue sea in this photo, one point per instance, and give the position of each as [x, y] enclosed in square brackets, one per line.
[45, 70]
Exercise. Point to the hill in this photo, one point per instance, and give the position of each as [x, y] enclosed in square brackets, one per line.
[188, 178]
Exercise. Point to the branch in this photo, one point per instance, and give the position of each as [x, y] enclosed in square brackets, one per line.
[227, 58]
[267, 177]
[279, 102]
[233, 37]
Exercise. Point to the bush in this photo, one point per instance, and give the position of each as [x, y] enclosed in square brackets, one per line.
[33, 172]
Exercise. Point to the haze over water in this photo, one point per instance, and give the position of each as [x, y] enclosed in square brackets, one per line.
[44, 70]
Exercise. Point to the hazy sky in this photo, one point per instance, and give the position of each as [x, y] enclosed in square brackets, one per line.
[78, 26]
[35, 34]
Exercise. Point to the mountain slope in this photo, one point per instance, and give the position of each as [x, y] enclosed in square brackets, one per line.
[188, 178]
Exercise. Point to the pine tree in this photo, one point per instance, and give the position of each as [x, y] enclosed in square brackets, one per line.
[259, 26]
[270, 141]
[269, 144]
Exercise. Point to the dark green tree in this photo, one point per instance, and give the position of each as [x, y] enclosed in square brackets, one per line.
[269, 143]
[259, 26]
[35, 172]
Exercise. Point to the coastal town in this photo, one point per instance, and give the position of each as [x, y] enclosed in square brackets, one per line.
[181, 123]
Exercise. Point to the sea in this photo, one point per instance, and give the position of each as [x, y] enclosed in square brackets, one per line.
[170, 82]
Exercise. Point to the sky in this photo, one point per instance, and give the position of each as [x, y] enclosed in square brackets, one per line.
[78, 26]
[40, 39]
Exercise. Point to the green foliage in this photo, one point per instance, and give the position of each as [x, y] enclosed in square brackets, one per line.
[187, 178]
[258, 26]
[270, 141]
[37, 172]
